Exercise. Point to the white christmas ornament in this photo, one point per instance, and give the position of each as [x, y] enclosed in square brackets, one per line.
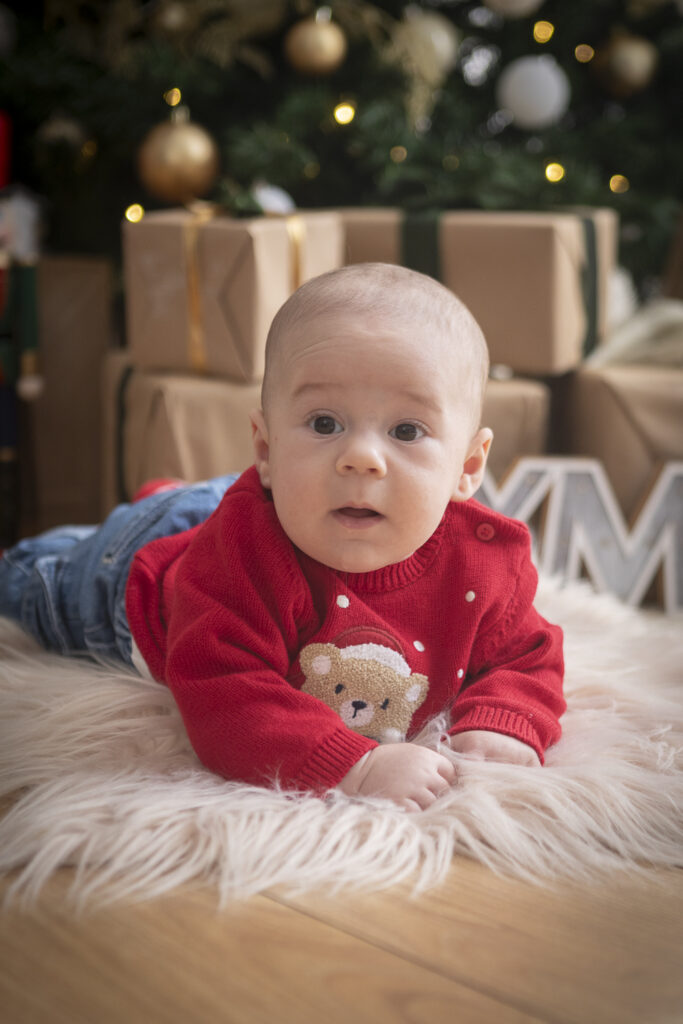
[272, 198]
[513, 8]
[535, 90]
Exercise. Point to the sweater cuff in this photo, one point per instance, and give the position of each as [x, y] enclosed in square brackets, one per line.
[334, 758]
[509, 723]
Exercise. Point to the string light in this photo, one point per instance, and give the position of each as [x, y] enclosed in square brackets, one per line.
[543, 31]
[344, 113]
[135, 213]
[173, 97]
[583, 53]
[619, 183]
[398, 154]
[554, 172]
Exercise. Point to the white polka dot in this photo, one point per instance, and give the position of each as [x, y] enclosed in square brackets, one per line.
[460, 673]
[418, 645]
[470, 595]
[343, 601]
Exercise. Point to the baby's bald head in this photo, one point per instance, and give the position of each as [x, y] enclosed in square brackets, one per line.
[394, 296]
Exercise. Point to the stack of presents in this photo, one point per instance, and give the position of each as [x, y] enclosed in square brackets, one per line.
[201, 290]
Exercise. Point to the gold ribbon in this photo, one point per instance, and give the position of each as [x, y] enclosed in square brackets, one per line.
[296, 230]
[201, 214]
[196, 347]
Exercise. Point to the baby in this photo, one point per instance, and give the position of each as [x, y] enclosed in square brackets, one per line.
[311, 614]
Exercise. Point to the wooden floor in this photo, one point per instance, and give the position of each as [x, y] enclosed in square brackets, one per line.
[478, 949]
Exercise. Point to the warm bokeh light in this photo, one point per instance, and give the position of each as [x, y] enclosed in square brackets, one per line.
[554, 172]
[543, 31]
[312, 169]
[88, 149]
[584, 53]
[619, 183]
[344, 113]
[450, 162]
[173, 97]
[398, 154]
[135, 213]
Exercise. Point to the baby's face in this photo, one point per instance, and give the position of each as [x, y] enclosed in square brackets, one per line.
[366, 438]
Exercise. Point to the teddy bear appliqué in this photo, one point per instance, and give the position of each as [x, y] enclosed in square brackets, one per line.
[371, 687]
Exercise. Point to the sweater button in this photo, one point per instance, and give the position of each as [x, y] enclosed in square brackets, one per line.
[485, 531]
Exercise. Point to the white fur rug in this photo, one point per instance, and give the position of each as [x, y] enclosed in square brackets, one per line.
[104, 780]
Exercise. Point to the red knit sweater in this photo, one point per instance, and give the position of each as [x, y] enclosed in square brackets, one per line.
[284, 669]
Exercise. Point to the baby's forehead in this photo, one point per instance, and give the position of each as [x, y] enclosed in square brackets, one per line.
[369, 329]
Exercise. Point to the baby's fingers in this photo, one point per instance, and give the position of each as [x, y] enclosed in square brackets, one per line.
[446, 770]
[411, 805]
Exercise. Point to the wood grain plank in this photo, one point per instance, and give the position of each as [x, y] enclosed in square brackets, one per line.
[180, 960]
[568, 954]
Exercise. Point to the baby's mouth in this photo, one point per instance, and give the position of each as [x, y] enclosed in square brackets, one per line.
[354, 518]
[357, 513]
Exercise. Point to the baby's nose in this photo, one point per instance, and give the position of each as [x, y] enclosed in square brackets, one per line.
[362, 454]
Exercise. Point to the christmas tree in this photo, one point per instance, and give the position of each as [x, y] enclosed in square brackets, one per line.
[497, 104]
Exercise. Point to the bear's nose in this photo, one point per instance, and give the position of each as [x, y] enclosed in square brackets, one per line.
[358, 705]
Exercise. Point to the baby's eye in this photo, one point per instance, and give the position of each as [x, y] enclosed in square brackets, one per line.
[325, 425]
[406, 432]
[339, 687]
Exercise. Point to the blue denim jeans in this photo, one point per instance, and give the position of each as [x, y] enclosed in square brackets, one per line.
[67, 587]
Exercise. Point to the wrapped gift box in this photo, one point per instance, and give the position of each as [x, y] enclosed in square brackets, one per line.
[75, 332]
[201, 290]
[536, 282]
[631, 418]
[518, 413]
[158, 424]
[161, 424]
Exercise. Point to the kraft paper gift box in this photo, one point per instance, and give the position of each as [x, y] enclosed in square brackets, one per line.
[201, 290]
[631, 418]
[536, 282]
[158, 424]
[518, 413]
[171, 425]
[75, 333]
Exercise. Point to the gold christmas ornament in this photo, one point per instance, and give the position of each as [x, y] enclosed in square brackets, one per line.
[315, 46]
[425, 45]
[178, 160]
[627, 64]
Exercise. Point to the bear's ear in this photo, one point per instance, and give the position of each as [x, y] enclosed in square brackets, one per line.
[417, 689]
[318, 659]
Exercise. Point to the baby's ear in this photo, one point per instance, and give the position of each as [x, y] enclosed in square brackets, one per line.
[259, 437]
[474, 465]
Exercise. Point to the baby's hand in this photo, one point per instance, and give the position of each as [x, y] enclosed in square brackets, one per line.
[412, 776]
[493, 746]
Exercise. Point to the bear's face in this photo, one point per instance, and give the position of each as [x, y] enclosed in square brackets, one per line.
[370, 687]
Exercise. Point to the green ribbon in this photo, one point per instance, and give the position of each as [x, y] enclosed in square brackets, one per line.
[589, 285]
[420, 247]
[121, 392]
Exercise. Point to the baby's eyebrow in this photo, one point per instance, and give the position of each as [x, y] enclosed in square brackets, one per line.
[424, 400]
[421, 400]
[306, 387]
